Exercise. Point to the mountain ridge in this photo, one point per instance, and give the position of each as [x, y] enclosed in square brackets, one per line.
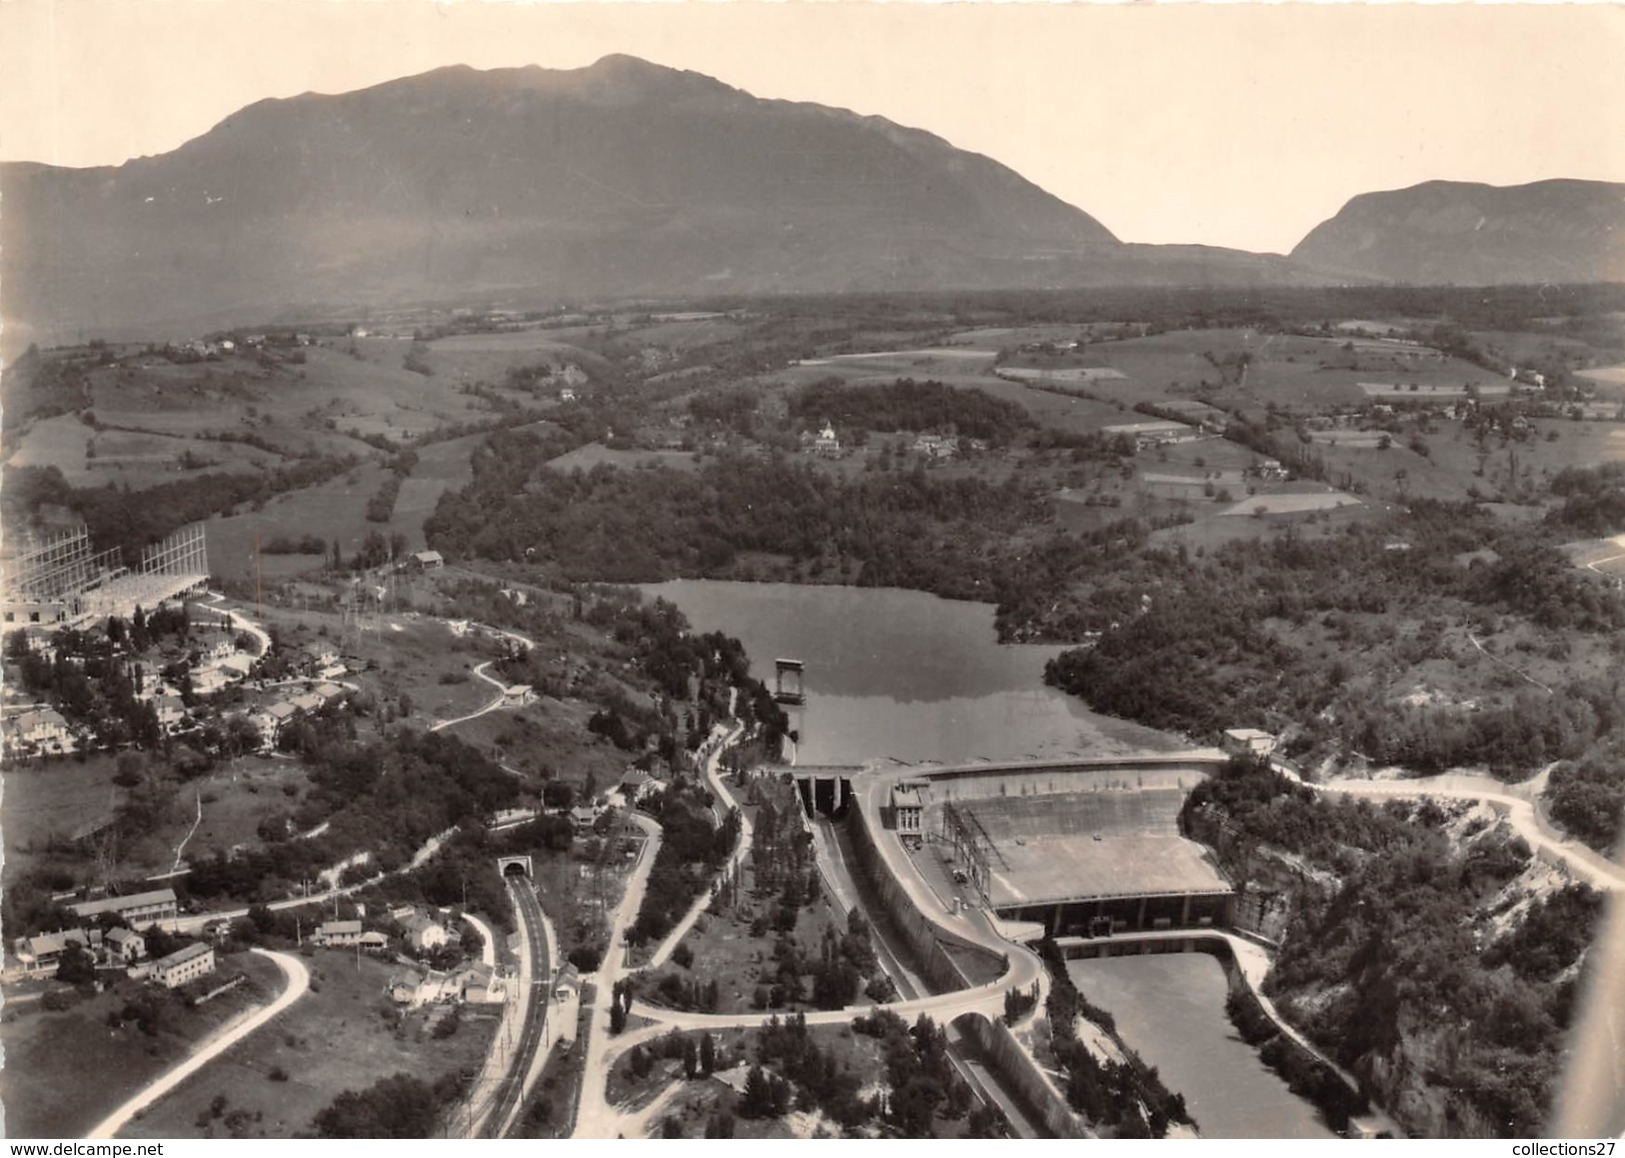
[620, 179]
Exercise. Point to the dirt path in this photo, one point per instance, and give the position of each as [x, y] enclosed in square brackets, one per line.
[1510, 800]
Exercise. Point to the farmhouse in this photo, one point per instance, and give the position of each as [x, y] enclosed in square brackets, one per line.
[183, 965]
[138, 910]
[581, 819]
[517, 694]
[427, 560]
[936, 446]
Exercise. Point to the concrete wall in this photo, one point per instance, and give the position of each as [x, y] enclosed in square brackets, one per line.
[1015, 1068]
[1020, 1076]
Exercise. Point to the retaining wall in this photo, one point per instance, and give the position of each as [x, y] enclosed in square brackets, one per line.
[1014, 1066]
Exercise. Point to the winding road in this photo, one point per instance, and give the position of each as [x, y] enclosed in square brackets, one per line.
[298, 978]
[1516, 802]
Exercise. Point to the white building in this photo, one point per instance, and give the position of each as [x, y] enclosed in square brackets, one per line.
[423, 933]
[1248, 742]
[183, 965]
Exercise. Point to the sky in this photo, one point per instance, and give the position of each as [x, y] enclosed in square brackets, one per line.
[1225, 124]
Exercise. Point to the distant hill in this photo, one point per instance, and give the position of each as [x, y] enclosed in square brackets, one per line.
[1452, 232]
[624, 178]
[629, 179]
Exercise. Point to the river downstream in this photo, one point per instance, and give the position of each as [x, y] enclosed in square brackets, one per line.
[1170, 1009]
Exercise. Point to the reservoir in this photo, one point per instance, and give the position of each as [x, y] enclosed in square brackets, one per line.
[903, 675]
[1169, 1008]
[909, 676]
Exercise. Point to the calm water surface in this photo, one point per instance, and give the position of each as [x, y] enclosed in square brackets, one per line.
[903, 674]
[1170, 1010]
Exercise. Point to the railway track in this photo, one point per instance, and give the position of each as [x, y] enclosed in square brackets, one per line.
[510, 1094]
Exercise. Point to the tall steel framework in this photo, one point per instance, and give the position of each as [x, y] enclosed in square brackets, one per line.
[65, 569]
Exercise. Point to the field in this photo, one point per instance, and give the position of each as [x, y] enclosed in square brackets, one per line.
[235, 797]
[106, 1065]
[1608, 375]
[344, 1034]
[332, 511]
[1291, 503]
[441, 466]
[53, 799]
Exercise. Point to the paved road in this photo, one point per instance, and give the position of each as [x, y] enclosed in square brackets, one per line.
[595, 1117]
[490, 707]
[298, 983]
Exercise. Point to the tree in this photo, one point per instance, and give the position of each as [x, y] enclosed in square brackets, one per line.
[708, 1054]
[691, 1061]
[76, 966]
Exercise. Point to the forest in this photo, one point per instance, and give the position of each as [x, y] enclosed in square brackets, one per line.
[907, 405]
[1396, 969]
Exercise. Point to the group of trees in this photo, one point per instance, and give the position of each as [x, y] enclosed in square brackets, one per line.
[1126, 1097]
[907, 529]
[94, 678]
[1396, 970]
[400, 1106]
[1198, 642]
[130, 520]
[907, 405]
[692, 848]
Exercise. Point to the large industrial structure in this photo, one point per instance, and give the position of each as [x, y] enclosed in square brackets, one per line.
[1087, 846]
[60, 579]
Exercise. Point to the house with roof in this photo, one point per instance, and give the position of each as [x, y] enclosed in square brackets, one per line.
[138, 909]
[372, 941]
[335, 933]
[1247, 742]
[206, 681]
[1151, 434]
[235, 666]
[171, 712]
[566, 983]
[480, 985]
[908, 810]
[424, 933]
[517, 694]
[634, 781]
[427, 560]
[183, 965]
[40, 954]
[582, 819]
[936, 446]
[125, 946]
[43, 729]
